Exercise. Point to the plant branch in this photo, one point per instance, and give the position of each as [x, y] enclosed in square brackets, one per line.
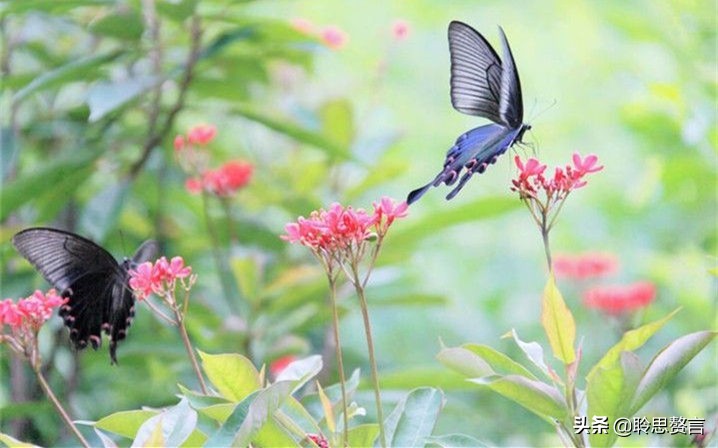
[189, 348]
[65, 416]
[337, 346]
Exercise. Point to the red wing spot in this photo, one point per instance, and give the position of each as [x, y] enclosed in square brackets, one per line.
[470, 164]
[493, 159]
[482, 168]
[69, 320]
[82, 343]
[95, 341]
[122, 334]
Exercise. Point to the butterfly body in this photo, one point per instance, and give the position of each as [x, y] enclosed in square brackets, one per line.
[95, 284]
[481, 85]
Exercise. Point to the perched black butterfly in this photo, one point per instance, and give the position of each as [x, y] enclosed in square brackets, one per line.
[481, 85]
[97, 286]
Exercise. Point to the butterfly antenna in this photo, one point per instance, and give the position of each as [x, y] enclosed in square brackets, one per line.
[541, 112]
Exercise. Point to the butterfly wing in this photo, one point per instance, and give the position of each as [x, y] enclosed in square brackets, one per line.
[511, 107]
[476, 73]
[123, 300]
[83, 272]
[472, 153]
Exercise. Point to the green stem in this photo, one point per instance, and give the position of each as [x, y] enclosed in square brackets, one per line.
[372, 360]
[547, 249]
[340, 362]
[190, 350]
[65, 416]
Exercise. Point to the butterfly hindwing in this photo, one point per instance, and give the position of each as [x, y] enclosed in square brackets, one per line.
[511, 107]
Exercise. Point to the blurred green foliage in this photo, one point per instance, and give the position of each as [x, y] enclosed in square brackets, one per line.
[633, 82]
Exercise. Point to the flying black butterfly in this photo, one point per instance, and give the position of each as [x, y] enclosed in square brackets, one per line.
[100, 298]
[481, 85]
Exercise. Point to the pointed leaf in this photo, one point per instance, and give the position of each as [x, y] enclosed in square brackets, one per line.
[301, 370]
[76, 69]
[170, 427]
[363, 435]
[414, 417]
[465, 362]
[630, 341]
[558, 323]
[250, 415]
[105, 97]
[534, 352]
[234, 376]
[667, 363]
[328, 409]
[12, 442]
[540, 398]
[107, 442]
[125, 423]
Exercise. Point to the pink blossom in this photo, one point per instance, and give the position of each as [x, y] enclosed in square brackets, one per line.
[302, 25]
[179, 143]
[144, 280]
[30, 311]
[583, 266]
[319, 440]
[159, 277]
[201, 134]
[386, 211]
[620, 299]
[400, 30]
[222, 181]
[193, 185]
[531, 179]
[334, 37]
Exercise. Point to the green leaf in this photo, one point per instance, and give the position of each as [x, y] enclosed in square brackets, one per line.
[630, 341]
[667, 363]
[609, 392]
[76, 70]
[177, 10]
[414, 417]
[465, 362]
[273, 434]
[234, 376]
[219, 412]
[198, 400]
[328, 409]
[172, 426]
[454, 441]
[301, 370]
[124, 23]
[540, 398]
[124, 423]
[363, 435]
[283, 125]
[250, 415]
[497, 361]
[338, 122]
[51, 6]
[558, 323]
[534, 352]
[65, 174]
[101, 213]
[105, 97]
[413, 377]
[14, 443]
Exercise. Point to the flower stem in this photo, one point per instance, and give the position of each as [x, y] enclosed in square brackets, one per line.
[547, 249]
[340, 362]
[372, 360]
[190, 350]
[65, 416]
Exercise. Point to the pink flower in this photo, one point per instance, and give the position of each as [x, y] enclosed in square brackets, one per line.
[201, 134]
[223, 181]
[302, 25]
[319, 440]
[400, 30]
[179, 143]
[144, 280]
[386, 211]
[30, 312]
[330, 230]
[279, 364]
[334, 37]
[158, 278]
[531, 179]
[583, 266]
[620, 299]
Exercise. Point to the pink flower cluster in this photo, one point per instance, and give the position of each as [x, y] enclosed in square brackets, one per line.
[199, 135]
[531, 176]
[158, 278]
[30, 312]
[332, 36]
[620, 299]
[343, 227]
[400, 30]
[584, 266]
[222, 181]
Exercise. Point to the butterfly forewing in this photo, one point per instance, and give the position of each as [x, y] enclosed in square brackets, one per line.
[511, 106]
[475, 73]
[99, 297]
